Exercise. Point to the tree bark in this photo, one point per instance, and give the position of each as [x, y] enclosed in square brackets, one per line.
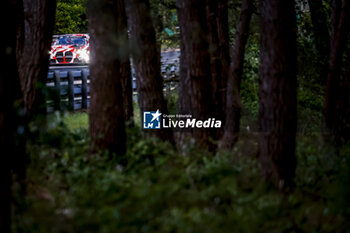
[333, 87]
[335, 17]
[35, 37]
[184, 65]
[217, 18]
[107, 124]
[146, 60]
[277, 91]
[10, 94]
[322, 37]
[195, 77]
[233, 101]
[342, 122]
[125, 69]
[184, 96]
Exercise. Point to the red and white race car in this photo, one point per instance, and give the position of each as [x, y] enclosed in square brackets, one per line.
[70, 49]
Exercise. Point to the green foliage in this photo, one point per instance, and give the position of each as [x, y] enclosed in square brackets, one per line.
[71, 17]
[249, 85]
[166, 23]
[159, 190]
[172, 99]
[310, 88]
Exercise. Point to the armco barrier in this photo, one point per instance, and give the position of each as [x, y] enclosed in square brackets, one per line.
[69, 86]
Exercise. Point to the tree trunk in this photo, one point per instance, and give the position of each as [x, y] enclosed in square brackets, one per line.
[342, 122]
[322, 38]
[233, 102]
[107, 125]
[184, 95]
[217, 18]
[184, 65]
[9, 97]
[277, 91]
[195, 76]
[335, 17]
[35, 37]
[146, 60]
[125, 69]
[338, 45]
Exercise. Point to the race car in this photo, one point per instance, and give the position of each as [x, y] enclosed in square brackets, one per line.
[70, 49]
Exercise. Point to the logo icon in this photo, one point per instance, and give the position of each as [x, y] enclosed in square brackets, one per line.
[151, 120]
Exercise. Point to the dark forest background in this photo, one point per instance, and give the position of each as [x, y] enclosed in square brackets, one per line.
[276, 72]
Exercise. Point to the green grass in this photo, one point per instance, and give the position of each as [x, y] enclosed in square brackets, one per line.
[80, 120]
[75, 121]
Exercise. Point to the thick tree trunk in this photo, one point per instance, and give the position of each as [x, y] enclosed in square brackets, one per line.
[107, 125]
[183, 104]
[338, 45]
[335, 17]
[184, 95]
[342, 122]
[217, 18]
[277, 91]
[35, 37]
[322, 38]
[125, 69]
[146, 60]
[195, 77]
[233, 102]
[9, 96]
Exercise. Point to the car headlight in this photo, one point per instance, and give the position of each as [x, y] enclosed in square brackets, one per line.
[84, 56]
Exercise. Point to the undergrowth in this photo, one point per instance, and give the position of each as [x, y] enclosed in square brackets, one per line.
[70, 190]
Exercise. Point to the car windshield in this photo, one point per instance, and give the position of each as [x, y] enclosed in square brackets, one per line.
[71, 41]
[79, 41]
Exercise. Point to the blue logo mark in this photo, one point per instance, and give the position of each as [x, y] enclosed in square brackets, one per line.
[151, 120]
